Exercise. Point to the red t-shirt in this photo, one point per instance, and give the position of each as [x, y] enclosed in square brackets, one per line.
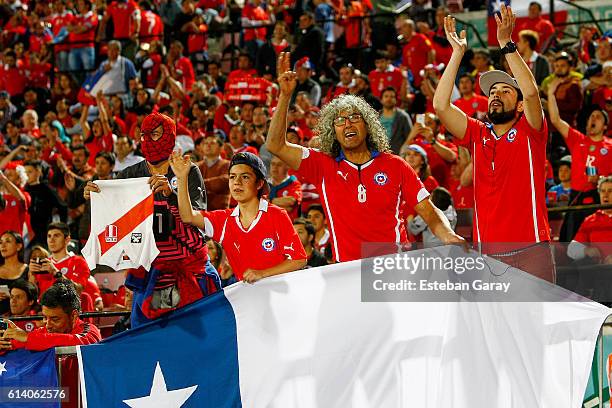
[40, 339]
[151, 26]
[463, 197]
[38, 75]
[477, 103]
[269, 240]
[73, 267]
[414, 55]
[595, 231]
[587, 153]
[184, 70]
[241, 73]
[58, 21]
[540, 25]
[123, 15]
[292, 189]
[15, 213]
[362, 206]
[13, 80]
[440, 168]
[380, 80]
[255, 15]
[509, 182]
[99, 144]
[198, 41]
[86, 38]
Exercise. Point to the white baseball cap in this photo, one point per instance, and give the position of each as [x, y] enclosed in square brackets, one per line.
[490, 78]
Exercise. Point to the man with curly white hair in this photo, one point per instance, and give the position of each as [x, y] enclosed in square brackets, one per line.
[362, 185]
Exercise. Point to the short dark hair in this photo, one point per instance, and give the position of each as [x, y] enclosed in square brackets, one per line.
[108, 156]
[78, 147]
[307, 226]
[29, 288]
[33, 163]
[62, 226]
[62, 294]
[441, 198]
[536, 4]
[167, 110]
[316, 207]
[387, 89]
[466, 75]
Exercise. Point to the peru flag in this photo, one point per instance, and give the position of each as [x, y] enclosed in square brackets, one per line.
[542, 25]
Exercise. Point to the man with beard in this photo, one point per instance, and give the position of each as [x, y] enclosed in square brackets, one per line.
[181, 273]
[509, 155]
[568, 93]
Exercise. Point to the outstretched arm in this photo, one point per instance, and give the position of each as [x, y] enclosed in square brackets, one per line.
[438, 223]
[276, 141]
[531, 98]
[553, 110]
[452, 117]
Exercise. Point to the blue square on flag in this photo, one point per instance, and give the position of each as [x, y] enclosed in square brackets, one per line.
[31, 370]
[189, 359]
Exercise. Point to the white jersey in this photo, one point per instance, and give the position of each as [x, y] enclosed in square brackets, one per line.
[121, 225]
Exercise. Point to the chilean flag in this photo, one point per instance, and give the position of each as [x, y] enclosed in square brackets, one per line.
[93, 83]
[521, 9]
[307, 339]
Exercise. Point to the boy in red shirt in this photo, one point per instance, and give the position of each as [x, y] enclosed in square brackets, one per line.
[258, 237]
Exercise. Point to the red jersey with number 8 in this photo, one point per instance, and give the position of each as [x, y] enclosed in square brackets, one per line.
[363, 202]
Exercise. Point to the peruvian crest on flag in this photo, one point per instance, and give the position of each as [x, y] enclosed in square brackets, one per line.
[523, 21]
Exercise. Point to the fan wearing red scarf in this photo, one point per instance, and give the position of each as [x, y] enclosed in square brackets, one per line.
[182, 272]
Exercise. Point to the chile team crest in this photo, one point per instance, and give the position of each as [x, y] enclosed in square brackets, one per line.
[381, 178]
[511, 135]
[268, 244]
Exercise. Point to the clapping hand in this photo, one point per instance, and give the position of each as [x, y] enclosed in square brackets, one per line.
[505, 20]
[457, 41]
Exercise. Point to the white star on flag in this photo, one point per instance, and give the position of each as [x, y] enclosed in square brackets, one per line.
[3, 368]
[160, 397]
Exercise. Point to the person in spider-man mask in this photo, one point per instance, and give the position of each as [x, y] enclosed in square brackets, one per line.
[182, 272]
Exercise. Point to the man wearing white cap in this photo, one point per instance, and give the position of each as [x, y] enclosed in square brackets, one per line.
[509, 155]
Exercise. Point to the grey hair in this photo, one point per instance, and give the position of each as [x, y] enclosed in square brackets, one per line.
[115, 43]
[377, 135]
[602, 181]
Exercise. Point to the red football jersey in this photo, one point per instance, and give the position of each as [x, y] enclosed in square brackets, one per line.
[292, 189]
[88, 20]
[254, 16]
[380, 80]
[269, 240]
[587, 153]
[509, 182]
[14, 215]
[440, 168]
[151, 27]
[477, 103]
[73, 267]
[123, 15]
[184, 69]
[58, 21]
[596, 231]
[414, 55]
[362, 203]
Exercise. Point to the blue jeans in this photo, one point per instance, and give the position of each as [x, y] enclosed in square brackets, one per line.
[62, 61]
[82, 59]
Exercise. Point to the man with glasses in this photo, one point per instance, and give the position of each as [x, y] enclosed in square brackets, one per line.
[509, 155]
[362, 185]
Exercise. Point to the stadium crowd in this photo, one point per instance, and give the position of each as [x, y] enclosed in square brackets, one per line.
[78, 78]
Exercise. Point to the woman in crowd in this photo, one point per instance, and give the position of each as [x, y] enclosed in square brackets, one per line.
[12, 268]
[416, 157]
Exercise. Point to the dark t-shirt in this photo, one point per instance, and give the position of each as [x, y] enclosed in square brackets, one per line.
[316, 259]
[44, 201]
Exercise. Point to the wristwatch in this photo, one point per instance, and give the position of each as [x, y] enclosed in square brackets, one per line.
[509, 48]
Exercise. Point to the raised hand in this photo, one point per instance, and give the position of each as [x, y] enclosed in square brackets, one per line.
[181, 165]
[505, 24]
[285, 76]
[457, 41]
